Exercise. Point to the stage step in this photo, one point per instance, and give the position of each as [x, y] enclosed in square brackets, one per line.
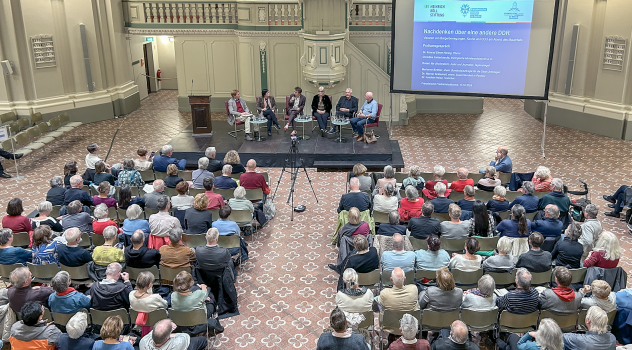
[378, 165]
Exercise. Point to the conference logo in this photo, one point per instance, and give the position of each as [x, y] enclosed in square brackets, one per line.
[465, 9]
[514, 7]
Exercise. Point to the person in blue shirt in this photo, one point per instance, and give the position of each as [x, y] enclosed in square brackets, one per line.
[527, 200]
[398, 257]
[9, 254]
[161, 162]
[365, 115]
[550, 226]
[227, 227]
[501, 162]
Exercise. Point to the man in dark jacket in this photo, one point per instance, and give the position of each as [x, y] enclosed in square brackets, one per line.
[346, 107]
[138, 255]
[424, 226]
[393, 225]
[21, 291]
[110, 294]
[550, 226]
[454, 339]
[71, 254]
[536, 259]
[355, 198]
[213, 164]
[212, 257]
[75, 193]
[556, 197]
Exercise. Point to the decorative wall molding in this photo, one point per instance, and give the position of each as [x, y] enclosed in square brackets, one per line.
[372, 34]
[214, 32]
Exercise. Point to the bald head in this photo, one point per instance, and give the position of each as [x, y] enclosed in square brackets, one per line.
[398, 242]
[354, 184]
[368, 96]
[159, 185]
[251, 165]
[398, 277]
[76, 181]
[458, 332]
[162, 332]
[502, 150]
[138, 238]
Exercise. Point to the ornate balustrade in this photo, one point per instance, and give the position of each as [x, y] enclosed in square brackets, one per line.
[370, 15]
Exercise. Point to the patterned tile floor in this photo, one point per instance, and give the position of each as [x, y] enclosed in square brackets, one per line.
[286, 291]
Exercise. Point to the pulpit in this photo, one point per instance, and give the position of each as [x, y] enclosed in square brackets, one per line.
[201, 114]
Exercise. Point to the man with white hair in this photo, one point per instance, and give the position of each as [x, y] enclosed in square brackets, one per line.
[164, 159]
[549, 226]
[75, 193]
[366, 115]
[557, 197]
[161, 338]
[251, 179]
[151, 198]
[408, 326]
[522, 300]
[464, 180]
[441, 203]
[201, 173]
[161, 223]
[71, 254]
[597, 337]
[225, 182]
[501, 161]
[398, 257]
[213, 164]
[110, 294]
[591, 229]
[456, 338]
[21, 291]
[212, 257]
[75, 336]
[346, 106]
[77, 218]
[355, 198]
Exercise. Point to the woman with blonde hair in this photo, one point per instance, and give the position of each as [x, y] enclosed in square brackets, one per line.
[353, 298]
[232, 158]
[110, 332]
[366, 182]
[172, 179]
[606, 253]
[197, 219]
[445, 296]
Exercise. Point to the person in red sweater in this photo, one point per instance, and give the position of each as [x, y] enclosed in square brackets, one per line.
[252, 179]
[606, 253]
[15, 220]
[215, 200]
[101, 213]
[438, 173]
[410, 206]
[463, 181]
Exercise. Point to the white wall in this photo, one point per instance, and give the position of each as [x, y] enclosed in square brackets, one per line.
[167, 60]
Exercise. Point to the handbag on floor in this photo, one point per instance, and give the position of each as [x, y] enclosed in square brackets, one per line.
[369, 137]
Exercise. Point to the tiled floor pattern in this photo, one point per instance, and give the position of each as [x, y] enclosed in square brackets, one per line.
[286, 291]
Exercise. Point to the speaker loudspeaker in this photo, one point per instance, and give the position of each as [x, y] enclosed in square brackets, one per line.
[6, 67]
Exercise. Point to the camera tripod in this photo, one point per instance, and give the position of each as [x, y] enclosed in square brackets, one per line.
[296, 165]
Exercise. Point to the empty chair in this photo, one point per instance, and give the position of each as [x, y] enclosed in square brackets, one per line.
[99, 316]
[134, 272]
[43, 273]
[78, 274]
[369, 279]
[196, 240]
[466, 279]
[21, 239]
[480, 321]
[152, 318]
[503, 279]
[435, 320]
[167, 275]
[390, 320]
[380, 217]
[515, 323]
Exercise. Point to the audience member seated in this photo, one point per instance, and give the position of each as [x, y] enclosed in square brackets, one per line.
[498, 203]
[187, 296]
[410, 207]
[455, 228]
[225, 182]
[239, 201]
[387, 201]
[182, 201]
[355, 198]
[616, 201]
[503, 261]
[215, 201]
[542, 179]
[342, 336]
[77, 218]
[352, 298]
[548, 336]
[489, 181]
[467, 202]
[66, 300]
[549, 226]
[398, 257]
[212, 257]
[161, 224]
[71, 254]
[455, 339]
[518, 226]
[389, 177]
[401, 297]
[176, 255]
[92, 158]
[213, 164]
[591, 229]
[162, 338]
[364, 260]
[393, 225]
[142, 299]
[438, 173]
[568, 251]
[201, 173]
[110, 332]
[468, 261]
[14, 219]
[597, 337]
[536, 259]
[151, 198]
[76, 337]
[606, 253]
[108, 252]
[161, 162]
[126, 199]
[445, 296]
[137, 255]
[9, 254]
[75, 193]
[602, 296]
[482, 224]
[70, 170]
[522, 300]
[414, 178]
[501, 163]
[57, 190]
[408, 327]
[425, 225]
[144, 161]
[110, 294]
[33, 332]
[101, 213]
[172, 179]
[441, 203]
[223, 224]
[197, 219]
[459, 185]
[251, 179]
[561, 300]
[134, 222]
[44, 247]
[354, 226]
[482, 298]
[366, 182]
[232, 158]
[557, 197]
[101, 174]
[129, 176]
[433, 258]
[44, 209]
[21, 291]
[527, 200]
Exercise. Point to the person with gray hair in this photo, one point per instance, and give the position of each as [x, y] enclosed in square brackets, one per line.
[345, 108]
[503, 261]
[429, 190]
[467, 202]
[76, 336]
[355, 198]
[387, 201]
[212, 257]
[213, 164]
[134, 221]
[425, 225]
[151, 198]
[43, 210]
[101, 213]
[568, 251]
[522, 300]
[389, 177]
[239, 201]
[392, 227]
[57, 190]
[21, 291]
[548, 337]
[398, 257]
[110, 294]
[77, 218]
[557, 197]
[108, 252]
[410, 207]
[162, 338]
[366, 115]
[201, 173]
[482, 298]
[441, 203]
[76, 193]
[597, 337]
[342, 336]
[163, 160]
[527, 200]
[498, 203]
[489, 181]
[161, 224]
[71, 254]
[408, 327]
[251, 179]
[176, 255]
[66, 300]
[455, 228]
[591, 229]
[549, 226]
[137, 255]
[454, 339]
[225, 182]
[8, 253]
[352, 298]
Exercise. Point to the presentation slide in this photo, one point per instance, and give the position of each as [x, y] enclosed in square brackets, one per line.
[485, 47]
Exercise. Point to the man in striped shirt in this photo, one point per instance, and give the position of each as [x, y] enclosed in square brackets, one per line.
[524, 299]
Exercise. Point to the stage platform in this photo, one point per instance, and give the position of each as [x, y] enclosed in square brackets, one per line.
[319, 152]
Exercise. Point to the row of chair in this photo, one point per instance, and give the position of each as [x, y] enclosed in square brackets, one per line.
[381, 217]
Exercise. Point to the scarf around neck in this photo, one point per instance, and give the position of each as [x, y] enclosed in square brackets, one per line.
[66, 292]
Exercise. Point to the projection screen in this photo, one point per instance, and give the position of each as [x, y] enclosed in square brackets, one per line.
[495, 48]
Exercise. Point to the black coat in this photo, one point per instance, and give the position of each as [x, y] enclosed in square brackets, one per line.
[326, 101]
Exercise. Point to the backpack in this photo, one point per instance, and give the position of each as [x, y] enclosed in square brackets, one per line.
[577, 209]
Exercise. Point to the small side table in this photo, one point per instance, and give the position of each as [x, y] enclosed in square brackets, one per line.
[303, 119]
[340, 123]
[258, 123]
